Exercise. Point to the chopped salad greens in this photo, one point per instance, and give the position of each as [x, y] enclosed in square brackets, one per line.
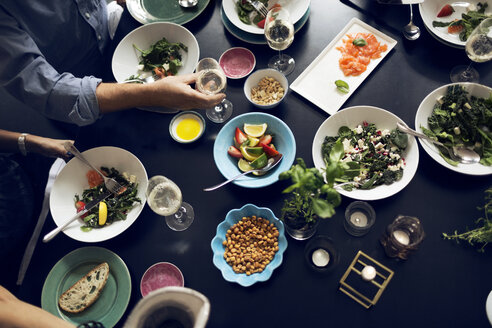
[163, 58]
[467, 23]
[117, 206]
[247, 14]
[373, 156]
[460, 119]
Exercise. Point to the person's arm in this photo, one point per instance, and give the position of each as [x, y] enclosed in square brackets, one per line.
[34, 144]
[15, 313]
[171, 92]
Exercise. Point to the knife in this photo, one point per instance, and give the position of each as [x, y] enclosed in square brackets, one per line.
[399, 2]
[86, 209]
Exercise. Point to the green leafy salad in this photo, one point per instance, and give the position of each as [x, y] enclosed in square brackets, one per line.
[115, 208]
[248, 15]
[467, 23]
[372, 156]
[460, 119]
[163, 58]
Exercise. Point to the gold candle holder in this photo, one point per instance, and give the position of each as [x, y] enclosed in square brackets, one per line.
[365, 280]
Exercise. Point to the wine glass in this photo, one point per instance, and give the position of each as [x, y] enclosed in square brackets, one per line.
[279, 33]
[212, 80]
[164, 198]
[478, 47]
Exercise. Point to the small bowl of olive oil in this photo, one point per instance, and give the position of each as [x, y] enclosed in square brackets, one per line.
[187, 127]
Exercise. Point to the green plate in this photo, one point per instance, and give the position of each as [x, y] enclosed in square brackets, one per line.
[113, 301]
[149, 11]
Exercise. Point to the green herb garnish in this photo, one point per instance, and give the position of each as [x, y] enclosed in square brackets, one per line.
[342, 86]
[481, 235]
[160, 53]
[359, 42]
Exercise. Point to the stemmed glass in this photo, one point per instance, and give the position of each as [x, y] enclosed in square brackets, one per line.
[478, 47]
[212, 80]
[164, 198]
[279, 33]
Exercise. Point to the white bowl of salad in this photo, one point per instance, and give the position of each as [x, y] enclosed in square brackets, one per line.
[172, 50]
[385, 160]
[77, 184]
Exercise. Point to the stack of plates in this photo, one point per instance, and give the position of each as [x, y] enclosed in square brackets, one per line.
[429, 10]
[299, 11]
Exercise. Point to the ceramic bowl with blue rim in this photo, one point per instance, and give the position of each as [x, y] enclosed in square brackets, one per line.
[283, 139]
[232, 218]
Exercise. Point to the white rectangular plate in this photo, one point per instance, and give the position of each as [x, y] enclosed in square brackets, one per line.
[317, 82]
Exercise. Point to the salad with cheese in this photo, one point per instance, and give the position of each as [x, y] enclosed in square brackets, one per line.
[373, 156]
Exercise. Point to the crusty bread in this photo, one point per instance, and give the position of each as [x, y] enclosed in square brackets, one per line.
[85, 291]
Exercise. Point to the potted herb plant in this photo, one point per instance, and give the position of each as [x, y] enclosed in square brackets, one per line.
[313, 195]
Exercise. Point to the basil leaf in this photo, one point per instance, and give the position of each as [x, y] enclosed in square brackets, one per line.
[342, 86]
[359, 42]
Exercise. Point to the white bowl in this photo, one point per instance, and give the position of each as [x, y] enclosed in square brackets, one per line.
[296, 8]
[72, 180]
[351, 117]
[126, 57]
[253, 79]
[425, 110]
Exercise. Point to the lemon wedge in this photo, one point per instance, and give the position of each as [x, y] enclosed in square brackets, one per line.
[255, 130]
[103, 213]
[247, 154]
[244, 165]
[253, 141]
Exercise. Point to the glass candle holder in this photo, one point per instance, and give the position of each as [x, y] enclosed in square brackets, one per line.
[402, 237]
[320, 254]
[359, 218]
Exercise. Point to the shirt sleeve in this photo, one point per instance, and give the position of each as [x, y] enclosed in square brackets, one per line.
[27, 76]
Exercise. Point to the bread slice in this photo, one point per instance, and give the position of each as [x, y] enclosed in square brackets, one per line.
[85, 291]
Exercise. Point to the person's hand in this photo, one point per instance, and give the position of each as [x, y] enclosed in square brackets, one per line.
[176, 92]
[47, 146]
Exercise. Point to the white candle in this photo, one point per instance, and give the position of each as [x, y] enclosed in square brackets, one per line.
[358, 219]
[402, 237]
[368, 273]
[320, 257]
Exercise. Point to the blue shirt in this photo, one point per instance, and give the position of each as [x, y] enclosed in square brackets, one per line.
[49, 51]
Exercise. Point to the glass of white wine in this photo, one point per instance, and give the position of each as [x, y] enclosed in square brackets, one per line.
[478, 47]
[164, 198]
[212, 80]
[279, 33]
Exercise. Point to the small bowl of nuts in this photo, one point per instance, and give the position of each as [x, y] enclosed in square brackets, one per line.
[249, 245]
[266, 88]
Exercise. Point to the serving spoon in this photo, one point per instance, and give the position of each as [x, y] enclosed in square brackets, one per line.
[457, 153]
[187, 3]
[272, 162]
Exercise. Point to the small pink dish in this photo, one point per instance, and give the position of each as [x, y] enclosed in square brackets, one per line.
[159, 275]
[237, 62]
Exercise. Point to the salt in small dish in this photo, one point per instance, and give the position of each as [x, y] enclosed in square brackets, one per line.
[187, 127]
[160, 275]
[237, 62]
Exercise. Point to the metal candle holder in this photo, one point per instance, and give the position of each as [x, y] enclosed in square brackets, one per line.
[360, 278]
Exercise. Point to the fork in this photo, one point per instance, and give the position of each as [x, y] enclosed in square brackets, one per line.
[259, 7]
[110, 183]
[148, 79]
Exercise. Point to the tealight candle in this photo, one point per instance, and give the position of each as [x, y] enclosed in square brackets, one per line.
[368, 273]
[402, 237]
[320, 257]
[359, 219]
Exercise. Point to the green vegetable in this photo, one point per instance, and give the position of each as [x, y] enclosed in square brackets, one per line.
[247, 13]
[342, 86]
[482, 234]
[359, 42]
[457, 111]
[468, 20]
[160, 53]
[118, 206]
[371, 156]
[311, 197]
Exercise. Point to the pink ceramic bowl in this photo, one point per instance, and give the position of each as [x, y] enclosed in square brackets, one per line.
[237, 62]
[159, 275]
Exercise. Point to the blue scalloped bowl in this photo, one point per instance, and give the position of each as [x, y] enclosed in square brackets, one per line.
[232, 218]
[283, 139]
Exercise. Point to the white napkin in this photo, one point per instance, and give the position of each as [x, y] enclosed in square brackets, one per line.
[114, 16]
[55, 169]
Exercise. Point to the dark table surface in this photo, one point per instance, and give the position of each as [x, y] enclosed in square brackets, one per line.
[441, 285]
